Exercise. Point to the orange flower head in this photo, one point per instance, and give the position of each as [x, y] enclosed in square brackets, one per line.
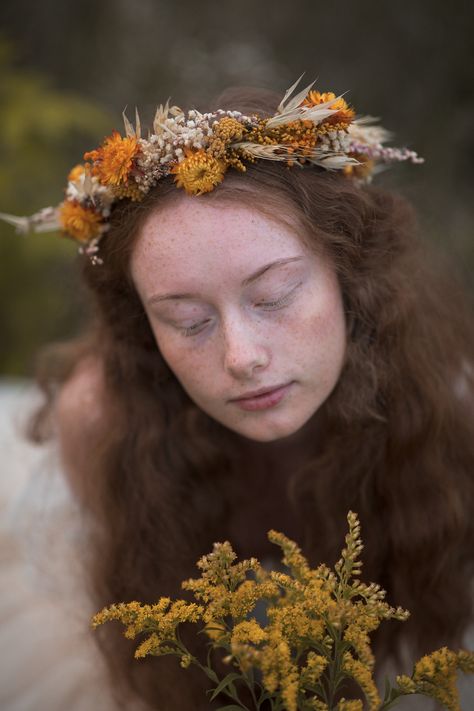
[81, 223]
[76, 173]
[199, 172]
[113, 161]
[344, 114]
[363, 170]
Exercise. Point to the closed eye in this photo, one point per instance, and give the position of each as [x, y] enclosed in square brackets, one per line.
[278, 303]
[194, 329]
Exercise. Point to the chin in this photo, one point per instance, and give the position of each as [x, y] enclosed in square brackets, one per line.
[269, 432]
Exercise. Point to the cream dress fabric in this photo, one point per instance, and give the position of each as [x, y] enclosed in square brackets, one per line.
[48, 659]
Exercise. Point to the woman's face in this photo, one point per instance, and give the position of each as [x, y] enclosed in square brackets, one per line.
[239, 304]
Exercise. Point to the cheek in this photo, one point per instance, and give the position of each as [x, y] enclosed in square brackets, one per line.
[321, 335]
[184, 361]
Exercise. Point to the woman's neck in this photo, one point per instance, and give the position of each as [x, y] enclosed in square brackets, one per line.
[282, 454]
[259, 489]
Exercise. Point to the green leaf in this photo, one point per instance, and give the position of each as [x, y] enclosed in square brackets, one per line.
[212, 674]
[264, 696]
[388, 688]
[225, 682]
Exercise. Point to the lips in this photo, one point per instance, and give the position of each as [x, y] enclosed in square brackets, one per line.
[261, 391]
[266, 399]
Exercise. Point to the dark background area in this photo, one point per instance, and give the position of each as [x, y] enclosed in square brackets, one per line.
[68, 69]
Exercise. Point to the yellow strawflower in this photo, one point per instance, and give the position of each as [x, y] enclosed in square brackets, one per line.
[344, 114]
[199, 172]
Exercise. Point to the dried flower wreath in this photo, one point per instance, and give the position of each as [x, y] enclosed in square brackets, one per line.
[309, 128]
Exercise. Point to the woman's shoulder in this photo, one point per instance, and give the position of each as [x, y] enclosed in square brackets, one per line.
[79, 414]
[80, 399]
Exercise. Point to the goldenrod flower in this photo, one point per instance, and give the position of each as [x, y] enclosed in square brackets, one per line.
[292, 556]
[466, 661]
[163, 618]
[278, 669]
[215, 630]
[248, 631]
[316, 704]
[353, 705]
[356, 633]
[199, 172]
[186, 660]
[150, 646]
[406, 684]
[435, 675]
[317, 630]
[363, 676]
[113, 160]
[81, 223]
[315, 665]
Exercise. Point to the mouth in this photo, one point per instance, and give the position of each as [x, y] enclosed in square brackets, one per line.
[257, 393]
[264, 398]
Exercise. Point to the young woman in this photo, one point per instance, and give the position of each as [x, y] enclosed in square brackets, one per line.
[269, 349]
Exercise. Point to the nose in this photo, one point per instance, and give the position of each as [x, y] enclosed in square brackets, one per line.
[244, 349]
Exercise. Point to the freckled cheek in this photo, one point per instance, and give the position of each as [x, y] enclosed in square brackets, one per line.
[319, 334]
[185, 362]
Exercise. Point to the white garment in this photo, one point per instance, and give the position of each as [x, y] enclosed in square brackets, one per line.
[48, 659]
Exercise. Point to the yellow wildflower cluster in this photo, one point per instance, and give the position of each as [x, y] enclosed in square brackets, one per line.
[225, 132]
[161, 619]
[361, 673]
[435, 675]
[355, 705]
[316, 633]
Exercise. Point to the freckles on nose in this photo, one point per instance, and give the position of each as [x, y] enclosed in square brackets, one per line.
[244, 351]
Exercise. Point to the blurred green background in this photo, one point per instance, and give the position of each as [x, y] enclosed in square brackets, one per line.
[68, 69]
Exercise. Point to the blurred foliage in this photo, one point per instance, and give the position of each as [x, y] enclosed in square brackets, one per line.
[44, 132]
[409, 62]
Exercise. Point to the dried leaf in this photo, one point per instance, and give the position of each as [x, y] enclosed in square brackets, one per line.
[128, 126]
[138, 130]
[22, 224]
[288, 93]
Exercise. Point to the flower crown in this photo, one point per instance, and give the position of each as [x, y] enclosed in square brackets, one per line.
[309, 128]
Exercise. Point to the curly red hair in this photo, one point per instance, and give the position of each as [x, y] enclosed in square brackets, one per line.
[395, 438]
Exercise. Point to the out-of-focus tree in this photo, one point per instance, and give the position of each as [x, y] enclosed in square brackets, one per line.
[409, 62]
[43, 132]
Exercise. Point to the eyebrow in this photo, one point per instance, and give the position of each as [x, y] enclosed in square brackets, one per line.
[249, 280]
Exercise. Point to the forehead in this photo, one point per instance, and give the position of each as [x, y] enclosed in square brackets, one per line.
[190, 241]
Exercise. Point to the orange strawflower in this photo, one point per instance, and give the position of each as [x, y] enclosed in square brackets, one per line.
[79, 222]
[362, 170]
[344, 112]
[76, 172]
[113, 161]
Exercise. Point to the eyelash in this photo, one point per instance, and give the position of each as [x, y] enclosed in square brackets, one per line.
[271, 306]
